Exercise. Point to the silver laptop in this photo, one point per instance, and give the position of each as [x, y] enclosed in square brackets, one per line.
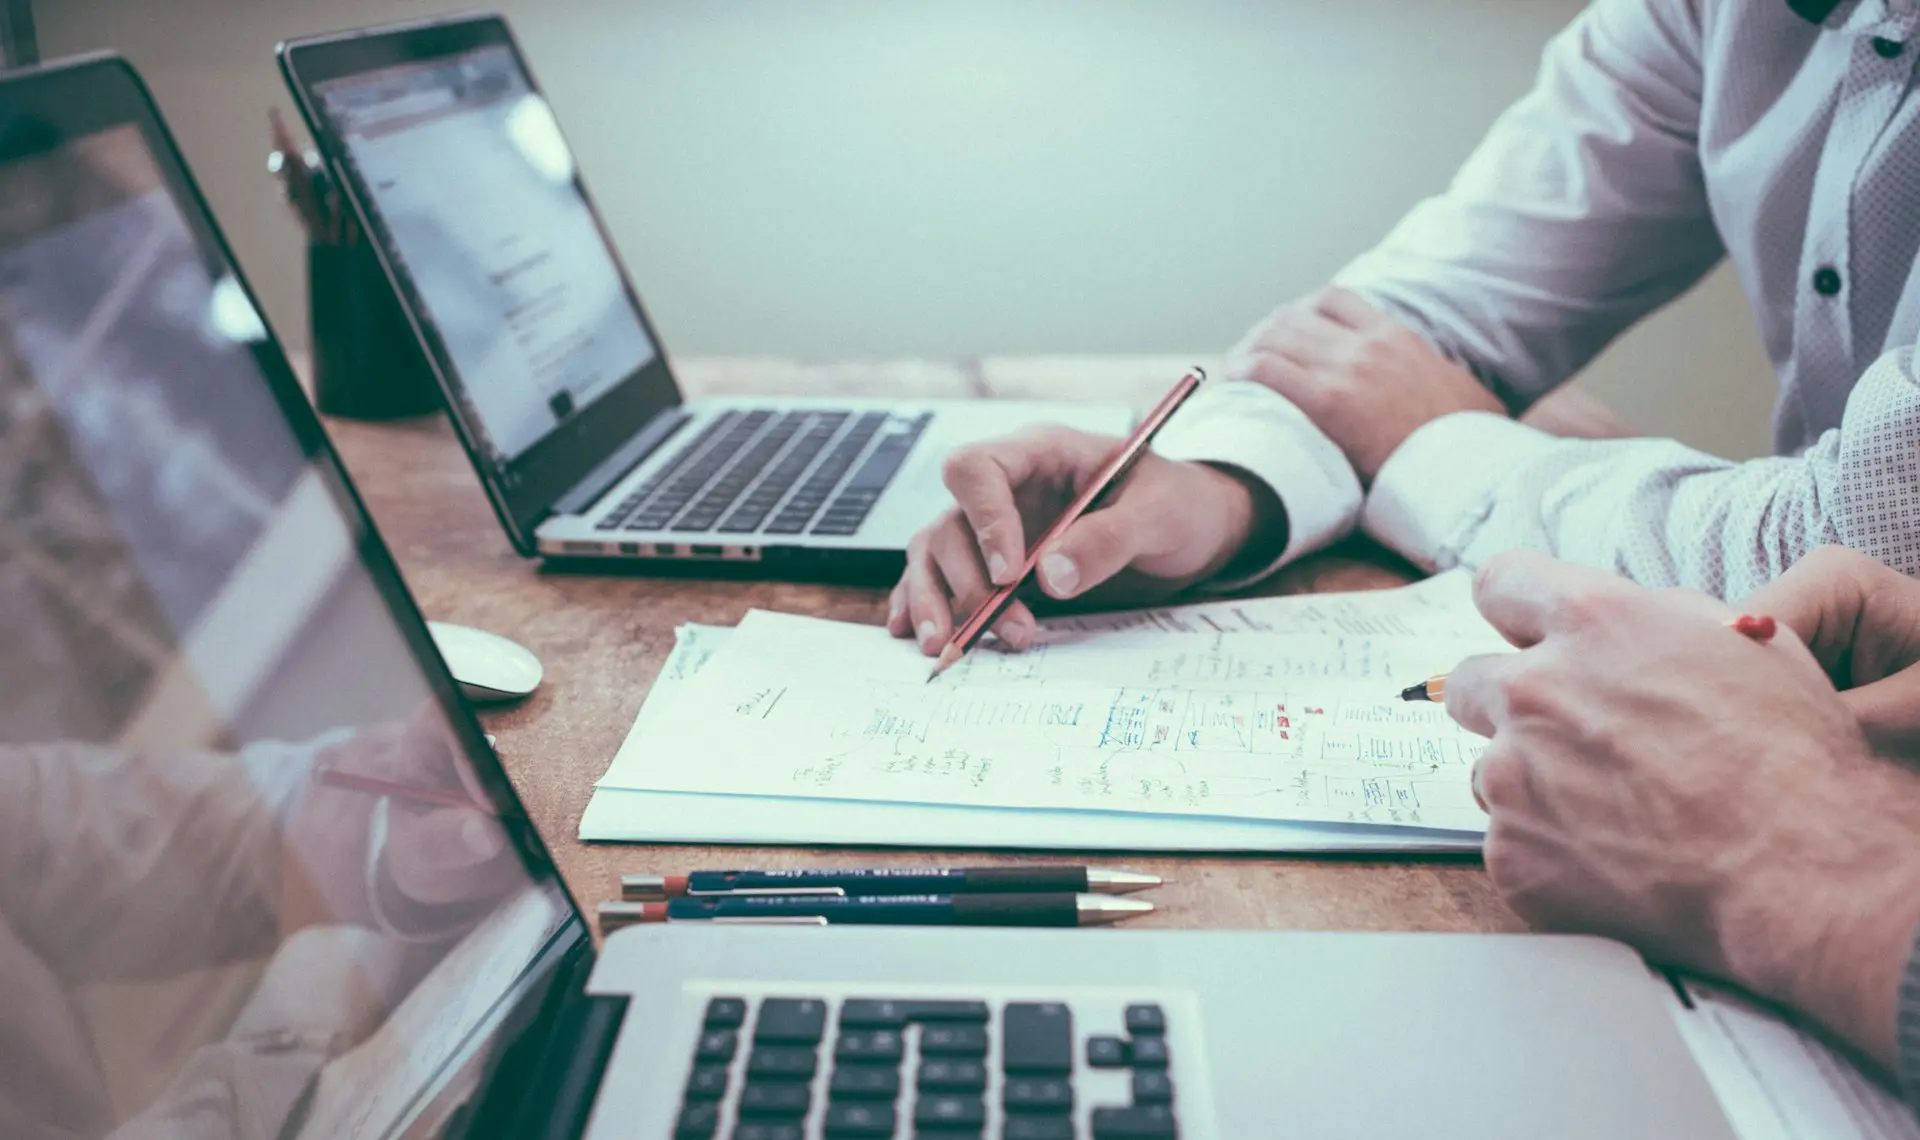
[262, 876]
[555, 377]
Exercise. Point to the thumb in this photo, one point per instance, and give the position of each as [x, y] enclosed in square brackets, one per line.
[1094, 549]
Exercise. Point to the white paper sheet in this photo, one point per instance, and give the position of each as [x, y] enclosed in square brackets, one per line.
[1299, 721]
[622, 815]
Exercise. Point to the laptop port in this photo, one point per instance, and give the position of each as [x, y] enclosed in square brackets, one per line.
[666, 549]
[629, 548]
[706, 551]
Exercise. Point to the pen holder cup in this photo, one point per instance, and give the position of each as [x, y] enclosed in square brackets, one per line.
[367, 364]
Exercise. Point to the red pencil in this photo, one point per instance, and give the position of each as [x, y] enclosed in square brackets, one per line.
[1116, 468]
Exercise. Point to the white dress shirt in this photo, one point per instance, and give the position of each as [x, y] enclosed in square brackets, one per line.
[1660, 136]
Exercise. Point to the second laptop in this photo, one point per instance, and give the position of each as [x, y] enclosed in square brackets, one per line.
[555, 377]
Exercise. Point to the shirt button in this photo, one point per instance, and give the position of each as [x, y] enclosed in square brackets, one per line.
[1887, 48]
[1826, 281]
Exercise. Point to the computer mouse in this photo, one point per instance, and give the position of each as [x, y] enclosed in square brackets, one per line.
[488, 668]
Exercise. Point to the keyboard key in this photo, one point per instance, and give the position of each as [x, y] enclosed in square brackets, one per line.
[769, 1130]
[1146, 1020]
[1106, 1052]
[790, 1021]
[1152, 1086]
[1151, 1122]
[1149, 1052]
[856, 1119]
[870, 1045]
[1038, 1128]
[698, 1121]
[950, 1110]
[708, 1082]
[1037, 1094]
[780, 1063]
[1036, 1037]
[865, 1082]
[966, 1011]
[785, 1100]
[726, 1013]
[872, 1013]
[716, 1045]
[952, 1076]
[954, 1041]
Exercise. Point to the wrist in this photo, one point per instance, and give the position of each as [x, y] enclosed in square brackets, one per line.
[1830, 933]
[1255, 533]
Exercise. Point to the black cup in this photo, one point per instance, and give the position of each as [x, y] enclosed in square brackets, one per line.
[367, 364]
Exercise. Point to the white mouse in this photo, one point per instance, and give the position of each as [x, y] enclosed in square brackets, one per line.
[488, 667]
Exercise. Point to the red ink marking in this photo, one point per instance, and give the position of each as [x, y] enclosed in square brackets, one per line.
[1759, 628]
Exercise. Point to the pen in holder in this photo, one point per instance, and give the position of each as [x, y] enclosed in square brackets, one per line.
[367, 364]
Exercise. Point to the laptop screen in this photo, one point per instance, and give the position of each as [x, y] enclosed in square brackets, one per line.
[471, 191]
[257, 873]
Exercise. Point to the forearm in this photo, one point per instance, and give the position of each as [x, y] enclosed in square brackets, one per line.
[1465, 488]
[1581, 211]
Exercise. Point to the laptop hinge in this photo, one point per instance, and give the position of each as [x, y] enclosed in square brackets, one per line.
[559, 1093]
[615, 467]
[542, 1086]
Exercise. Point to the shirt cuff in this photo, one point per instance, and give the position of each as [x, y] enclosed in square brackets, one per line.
[1240, 424]
[1439, 484]
[1906, 1030]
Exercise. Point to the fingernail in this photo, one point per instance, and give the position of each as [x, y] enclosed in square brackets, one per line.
[997, 568]
[481, 837]
[928, 632]
[1063, 577]
[893, 610]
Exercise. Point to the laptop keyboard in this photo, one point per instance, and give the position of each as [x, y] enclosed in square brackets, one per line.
[807, 1068]
[768, 472]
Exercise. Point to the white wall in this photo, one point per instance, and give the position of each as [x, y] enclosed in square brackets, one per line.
[835, 178]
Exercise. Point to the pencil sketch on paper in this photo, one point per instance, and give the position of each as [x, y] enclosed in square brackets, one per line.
[1302, 726]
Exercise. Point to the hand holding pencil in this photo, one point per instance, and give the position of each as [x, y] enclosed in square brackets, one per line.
[1167, 525]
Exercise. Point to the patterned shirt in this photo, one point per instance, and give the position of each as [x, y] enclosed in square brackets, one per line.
[1660, 137]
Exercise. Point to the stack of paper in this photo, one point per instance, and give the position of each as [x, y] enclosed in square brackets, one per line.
[1263, 725]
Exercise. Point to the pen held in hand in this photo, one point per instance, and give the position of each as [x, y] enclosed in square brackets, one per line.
[1109, 477]
[1756, 627]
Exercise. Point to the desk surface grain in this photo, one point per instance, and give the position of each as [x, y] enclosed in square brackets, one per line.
[604, 637]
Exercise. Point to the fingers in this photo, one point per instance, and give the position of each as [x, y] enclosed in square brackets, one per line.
[984, 478]
[1526, 594]
[945, 580]
[1860, 618]
[1102, 543]
[1476, 691]
[1889, 713]
[444, 855]
[1346, 308]
[1310, 338]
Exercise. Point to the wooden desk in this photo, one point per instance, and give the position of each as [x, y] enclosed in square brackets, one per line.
[603, 638]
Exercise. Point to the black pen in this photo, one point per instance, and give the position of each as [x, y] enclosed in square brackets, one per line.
[893, 910]
[888, 881]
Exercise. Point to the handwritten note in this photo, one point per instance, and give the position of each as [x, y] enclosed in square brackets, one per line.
[1127, 714]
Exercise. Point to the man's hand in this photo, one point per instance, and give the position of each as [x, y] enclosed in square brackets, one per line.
[1169, 525]
[1657, 778]
[1362, 377]
[1861, 618]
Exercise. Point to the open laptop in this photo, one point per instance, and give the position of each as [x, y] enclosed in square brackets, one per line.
[555, 377]
[261, 875]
